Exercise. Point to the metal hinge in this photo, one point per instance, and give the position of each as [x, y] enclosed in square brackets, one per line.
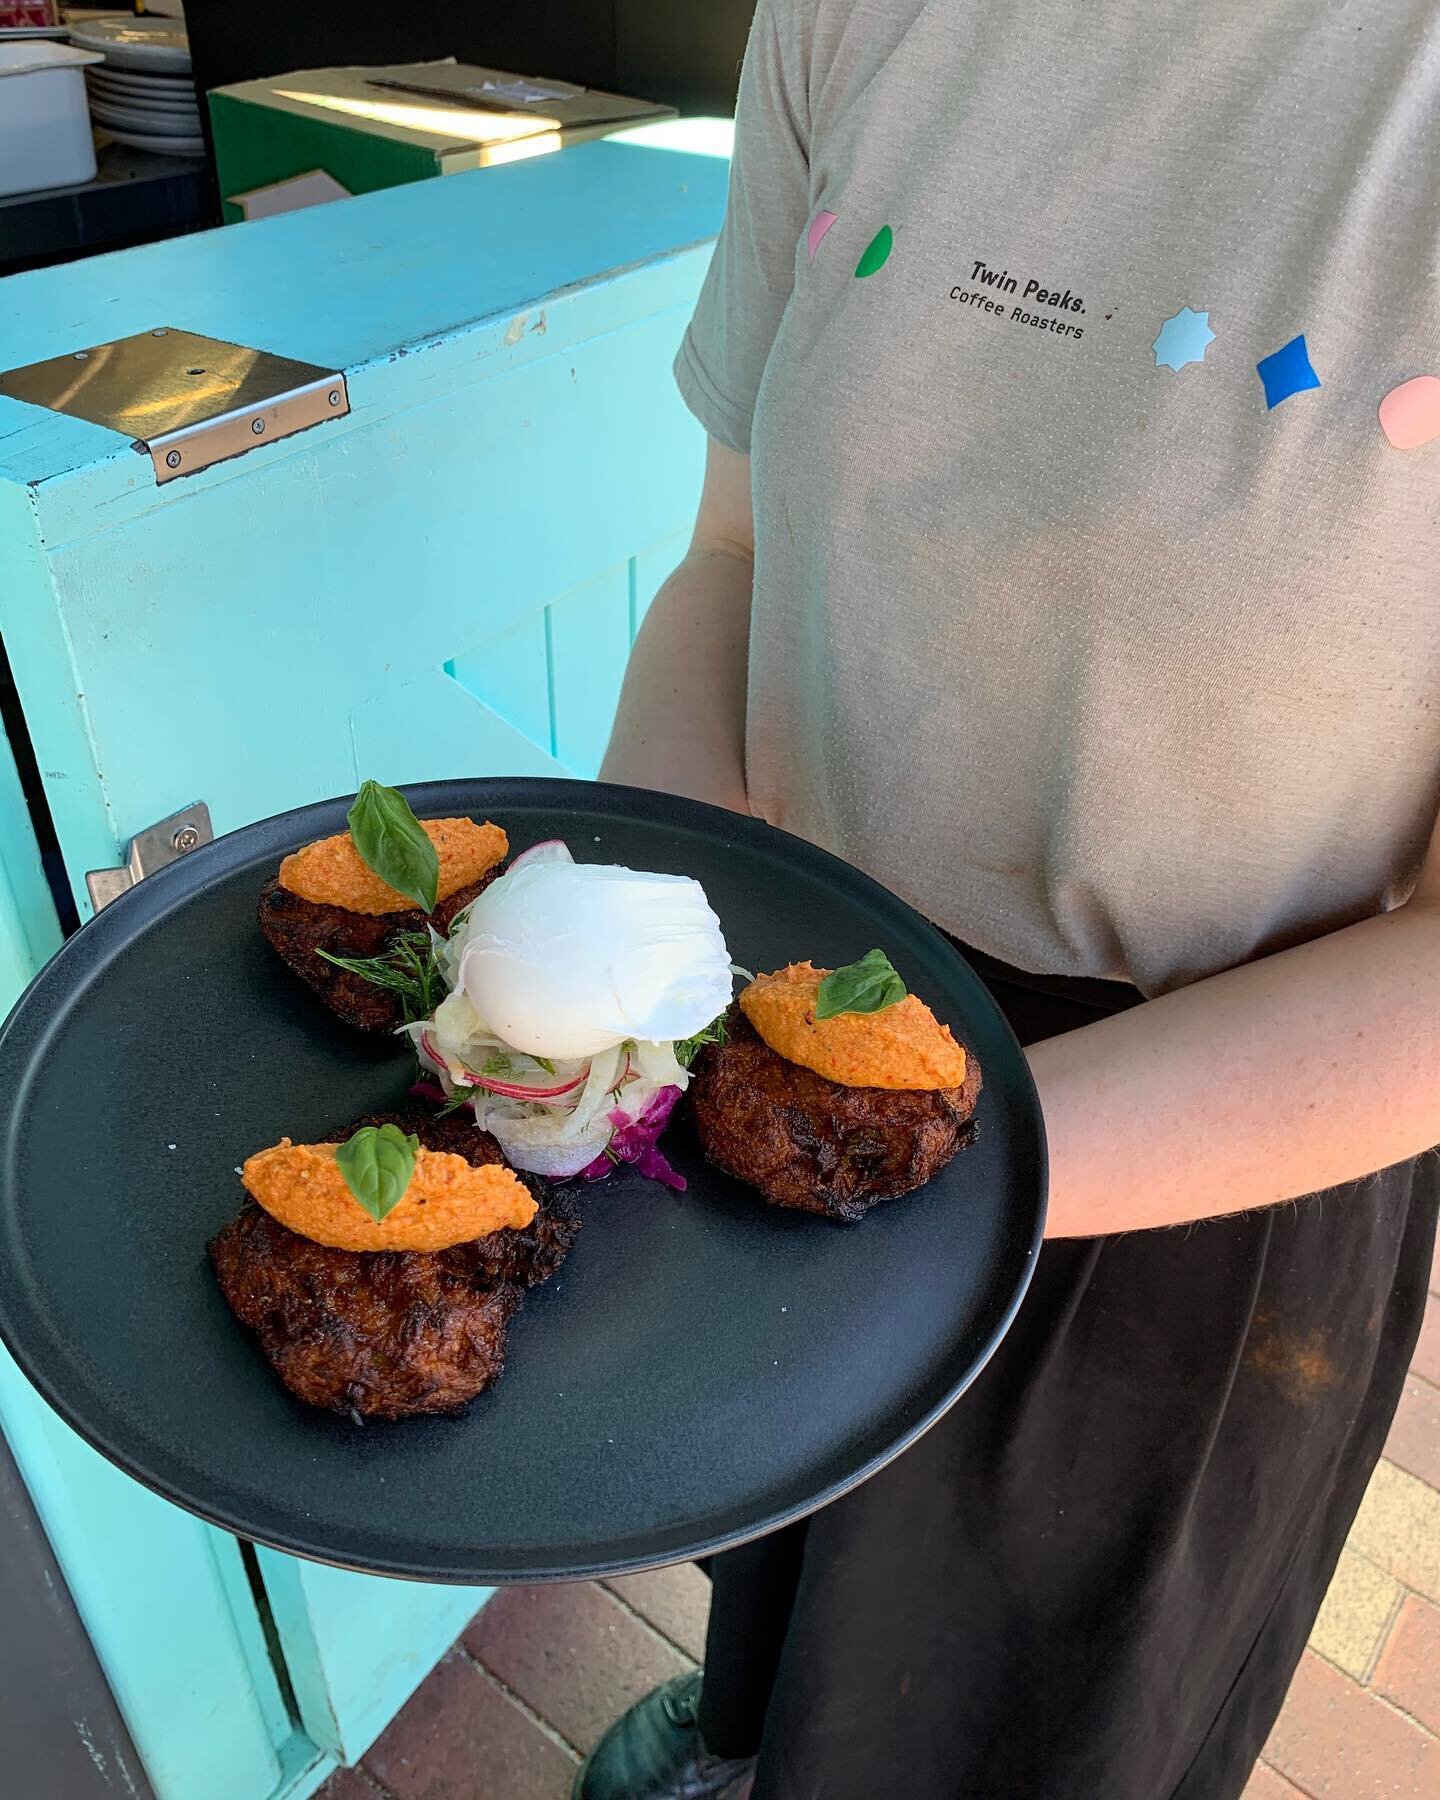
[150, 850]
[184, 400]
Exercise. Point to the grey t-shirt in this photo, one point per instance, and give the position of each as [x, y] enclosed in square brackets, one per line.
[1094, 613]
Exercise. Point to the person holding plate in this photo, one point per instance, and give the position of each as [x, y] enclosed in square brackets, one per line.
[1066, 561]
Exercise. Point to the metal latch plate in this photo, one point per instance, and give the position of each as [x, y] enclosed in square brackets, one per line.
[185, 400]
[152, 849]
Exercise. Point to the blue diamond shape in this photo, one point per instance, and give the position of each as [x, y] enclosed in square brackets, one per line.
[1287, 372]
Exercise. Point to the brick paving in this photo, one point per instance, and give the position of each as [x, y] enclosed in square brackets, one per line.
[576, 1656]
[510, 1712]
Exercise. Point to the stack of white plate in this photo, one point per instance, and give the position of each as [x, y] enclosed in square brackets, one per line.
[142, 93]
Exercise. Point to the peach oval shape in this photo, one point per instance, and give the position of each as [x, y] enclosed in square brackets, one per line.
[1410, 413]
[330, 872]
[819, 225]
[449, 1200]
[903, 1046]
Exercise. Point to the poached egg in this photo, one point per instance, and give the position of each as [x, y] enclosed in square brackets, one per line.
[566, 960]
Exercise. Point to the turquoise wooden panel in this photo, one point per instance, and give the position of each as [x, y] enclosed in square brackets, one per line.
[32, 624]
[29, 929]
[265, 609]
[459, 735]
[328, 1621]
[303, 1769]
[590, 643]
[360, 281]
[166, 1602]
[510, 674]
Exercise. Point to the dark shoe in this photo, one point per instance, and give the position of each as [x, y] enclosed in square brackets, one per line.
[655, 1752]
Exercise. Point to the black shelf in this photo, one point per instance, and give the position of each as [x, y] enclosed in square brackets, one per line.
[135, 198]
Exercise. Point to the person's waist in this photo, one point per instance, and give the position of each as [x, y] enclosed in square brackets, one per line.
[1078, 991]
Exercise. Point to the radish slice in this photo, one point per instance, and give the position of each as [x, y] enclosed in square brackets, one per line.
[551, 850]
[516, 1090]
[510, 1090]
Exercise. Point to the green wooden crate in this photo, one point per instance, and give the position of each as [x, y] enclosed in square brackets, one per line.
[330, 132]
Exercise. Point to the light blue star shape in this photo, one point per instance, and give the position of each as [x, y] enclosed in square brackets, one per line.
[1183, 339]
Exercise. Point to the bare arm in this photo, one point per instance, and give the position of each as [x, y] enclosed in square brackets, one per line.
[681, 720]
[1286, 1076]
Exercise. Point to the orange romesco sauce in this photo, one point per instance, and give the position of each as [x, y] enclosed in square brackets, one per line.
[332, 874]
[447, 1202]
[905, 1046]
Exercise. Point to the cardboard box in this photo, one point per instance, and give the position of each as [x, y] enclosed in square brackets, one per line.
[321, 134]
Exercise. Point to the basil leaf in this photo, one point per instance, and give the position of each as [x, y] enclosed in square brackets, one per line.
[867, 986]
[377, 1164]
[391, 844]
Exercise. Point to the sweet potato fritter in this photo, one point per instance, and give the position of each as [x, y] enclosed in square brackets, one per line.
[815, 1145]
[384, 1334]
[299, 929]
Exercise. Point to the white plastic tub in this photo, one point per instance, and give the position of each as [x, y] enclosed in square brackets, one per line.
[45, 136]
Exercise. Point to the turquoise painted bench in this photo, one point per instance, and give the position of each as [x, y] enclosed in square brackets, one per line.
[446, 581]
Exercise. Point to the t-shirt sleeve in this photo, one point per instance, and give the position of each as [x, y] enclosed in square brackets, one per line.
[750, 278]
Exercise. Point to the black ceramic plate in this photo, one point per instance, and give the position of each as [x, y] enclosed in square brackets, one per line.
[703, 1368]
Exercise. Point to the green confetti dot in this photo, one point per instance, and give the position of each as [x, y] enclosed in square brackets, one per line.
[877, 252]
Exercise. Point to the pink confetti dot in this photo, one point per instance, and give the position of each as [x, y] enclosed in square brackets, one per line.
[819, 225]
[1410, 413]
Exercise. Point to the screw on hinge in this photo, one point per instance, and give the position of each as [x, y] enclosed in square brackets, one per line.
[333, 396]
[257, 426]
[186, 838]
[172, 459]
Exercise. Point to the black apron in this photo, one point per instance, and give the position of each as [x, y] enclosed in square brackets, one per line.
[1093, 1579]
